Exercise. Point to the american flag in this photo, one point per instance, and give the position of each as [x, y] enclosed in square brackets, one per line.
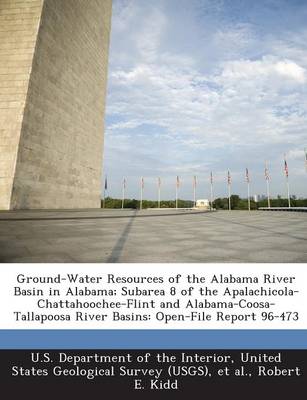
[211, 177]
[142, 182]
[266, 172]
[159, 182]
[286, 168]
[124, 183]
[194, 181]
[247, 175]
[106, 183]
[228, 178]
[305, 158]
[177, 181]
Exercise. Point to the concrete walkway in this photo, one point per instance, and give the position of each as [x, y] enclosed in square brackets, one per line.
[152, 236]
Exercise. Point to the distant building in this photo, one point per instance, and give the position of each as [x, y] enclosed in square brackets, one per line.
[203, 203]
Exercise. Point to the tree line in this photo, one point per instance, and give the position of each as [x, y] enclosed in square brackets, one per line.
[133, 203]
[237, 203]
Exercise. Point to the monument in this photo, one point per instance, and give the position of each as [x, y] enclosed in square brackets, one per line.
[53, 78]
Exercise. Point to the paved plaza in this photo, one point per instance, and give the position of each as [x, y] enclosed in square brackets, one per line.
[152, 236]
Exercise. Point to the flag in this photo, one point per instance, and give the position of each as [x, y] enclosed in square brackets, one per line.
[211, 178]
[159, 182]
[228, 178]
[286, 168]
[124, 183]
[266, 172]
[106, 183]
[142, 182]
[177, 182]
[305, 158]
[194, 181]
[247, 175]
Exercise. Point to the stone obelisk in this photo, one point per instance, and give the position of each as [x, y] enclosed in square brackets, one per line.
[53, 78]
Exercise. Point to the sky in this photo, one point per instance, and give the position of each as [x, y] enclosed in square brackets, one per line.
[206, 85]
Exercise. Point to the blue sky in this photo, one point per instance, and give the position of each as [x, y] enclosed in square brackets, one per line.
[201, 85]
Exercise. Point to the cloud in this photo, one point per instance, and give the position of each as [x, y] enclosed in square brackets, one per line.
[187, 103]
[296, 154]
[266, 69]
[290, 69]
[202, 88]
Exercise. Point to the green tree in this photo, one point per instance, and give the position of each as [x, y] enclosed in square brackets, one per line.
[234, 201]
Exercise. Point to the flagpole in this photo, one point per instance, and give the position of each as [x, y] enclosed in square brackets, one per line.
[211, 190]
[268, 193]
[248, 197]
[123, 193]
[267, 178]
[287, 180]
[194, 190]
[177, 186]
[141, 203]
[289, 203]
[229, 183]
[104, 192]
[248, 192]
[159, 192]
